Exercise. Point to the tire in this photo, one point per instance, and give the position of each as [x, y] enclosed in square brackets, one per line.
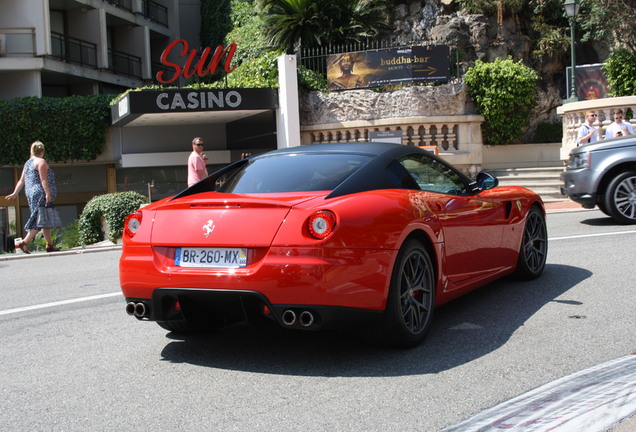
[534, 246]
[620, 198]
[601, 207]
[409, 309]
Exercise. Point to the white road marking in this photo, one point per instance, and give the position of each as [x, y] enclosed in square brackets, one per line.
[466, 326]
[59, 303]
[593, 399]
[590, 235]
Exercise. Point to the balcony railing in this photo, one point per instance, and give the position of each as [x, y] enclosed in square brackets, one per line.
[155, 12]
[574, 116]
[73, 50]
[124, 64]
[17, 41]
[156, 68]
[122, 4]
[452, 135]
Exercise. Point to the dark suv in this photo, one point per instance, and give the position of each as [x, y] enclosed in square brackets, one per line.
[603, 174]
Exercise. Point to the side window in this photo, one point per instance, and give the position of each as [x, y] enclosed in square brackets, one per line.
[400, 177]
[434, 176]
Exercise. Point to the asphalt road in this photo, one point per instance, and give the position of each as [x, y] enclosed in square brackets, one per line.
[71, 359]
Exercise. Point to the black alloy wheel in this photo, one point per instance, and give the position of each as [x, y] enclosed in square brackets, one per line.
[409, 309]
[534, 246]
[620, 199]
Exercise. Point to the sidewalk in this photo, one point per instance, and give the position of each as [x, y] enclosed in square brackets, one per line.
[627, 425]
[563, 206]
[97, 247]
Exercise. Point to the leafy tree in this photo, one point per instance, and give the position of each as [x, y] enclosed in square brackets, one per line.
[609, 21]
[504, 92]
[214, 21]
[261, 72]
[291, 23]
[548, 21]
[355, 20]
[246, 23]
[621, 72]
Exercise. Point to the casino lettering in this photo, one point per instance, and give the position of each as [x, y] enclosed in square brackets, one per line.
[193, 100]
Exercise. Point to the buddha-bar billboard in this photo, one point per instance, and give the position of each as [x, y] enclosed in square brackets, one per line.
[412, 64]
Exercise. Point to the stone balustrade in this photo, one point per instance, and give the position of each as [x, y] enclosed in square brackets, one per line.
[456, 137]
[574, 116]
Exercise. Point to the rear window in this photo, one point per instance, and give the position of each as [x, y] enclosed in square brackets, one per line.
[293, 173]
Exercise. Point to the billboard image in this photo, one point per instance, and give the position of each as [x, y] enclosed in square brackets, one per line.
[414, 64]
[591, 82]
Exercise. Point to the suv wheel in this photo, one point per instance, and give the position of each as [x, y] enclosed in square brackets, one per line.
[620, 198]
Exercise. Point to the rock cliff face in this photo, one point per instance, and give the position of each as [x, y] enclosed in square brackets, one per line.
[339, 107]
[438, 22]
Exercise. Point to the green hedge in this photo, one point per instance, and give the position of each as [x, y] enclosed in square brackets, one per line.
[504, 92]
[621, 72]
[113, 208]
[72, 128]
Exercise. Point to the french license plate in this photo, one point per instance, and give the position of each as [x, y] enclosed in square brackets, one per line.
[211, 257]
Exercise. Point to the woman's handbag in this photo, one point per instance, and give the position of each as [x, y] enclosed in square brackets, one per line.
[48, 217]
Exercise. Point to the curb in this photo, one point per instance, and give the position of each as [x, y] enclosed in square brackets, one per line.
[594, 399]
[567, 210]
[18, 256]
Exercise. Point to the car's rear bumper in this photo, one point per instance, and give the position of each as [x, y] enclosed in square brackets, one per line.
[226, 306]
[356, 278]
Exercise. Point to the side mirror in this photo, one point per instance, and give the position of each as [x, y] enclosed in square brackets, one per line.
[486, 181]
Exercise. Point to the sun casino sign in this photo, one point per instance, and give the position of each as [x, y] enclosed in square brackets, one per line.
[188, 100]
[189, 69]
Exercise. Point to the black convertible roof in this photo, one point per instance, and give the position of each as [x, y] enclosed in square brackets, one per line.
[371, 176]
[367, 148]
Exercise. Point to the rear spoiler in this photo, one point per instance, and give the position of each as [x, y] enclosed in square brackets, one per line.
[208, 184]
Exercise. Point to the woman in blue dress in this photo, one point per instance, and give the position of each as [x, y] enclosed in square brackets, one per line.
[38, 181]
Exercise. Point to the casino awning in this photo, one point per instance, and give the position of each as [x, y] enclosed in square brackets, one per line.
[191, 106]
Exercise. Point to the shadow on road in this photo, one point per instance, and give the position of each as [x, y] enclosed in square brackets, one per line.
[601, 221]
[462, 331]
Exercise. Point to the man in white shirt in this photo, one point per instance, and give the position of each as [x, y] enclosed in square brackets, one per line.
[196, 164]
[618, 128]
[587, 132]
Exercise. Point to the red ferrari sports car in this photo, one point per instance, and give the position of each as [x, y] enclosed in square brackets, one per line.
[371, 235]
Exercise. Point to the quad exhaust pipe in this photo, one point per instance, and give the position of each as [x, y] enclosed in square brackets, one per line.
[305, 319]
[136, 309]
[289, 317]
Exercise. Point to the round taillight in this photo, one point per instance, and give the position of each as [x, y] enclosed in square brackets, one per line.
[321, 224]
[132, 224]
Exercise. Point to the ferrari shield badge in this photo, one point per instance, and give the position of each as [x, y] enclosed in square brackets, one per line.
[519, 205]
[208, 228]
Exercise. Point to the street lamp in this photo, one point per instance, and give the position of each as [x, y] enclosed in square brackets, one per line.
[572, 10]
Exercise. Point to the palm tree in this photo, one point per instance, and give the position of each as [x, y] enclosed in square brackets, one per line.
[359, 19]
[291, 23]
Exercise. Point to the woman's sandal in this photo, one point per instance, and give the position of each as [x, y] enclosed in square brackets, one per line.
[25, 247]
[51, 248]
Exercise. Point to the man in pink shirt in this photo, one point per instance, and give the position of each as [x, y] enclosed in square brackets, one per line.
[196, 165]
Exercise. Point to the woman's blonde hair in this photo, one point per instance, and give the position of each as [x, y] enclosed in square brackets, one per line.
[37, 149]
